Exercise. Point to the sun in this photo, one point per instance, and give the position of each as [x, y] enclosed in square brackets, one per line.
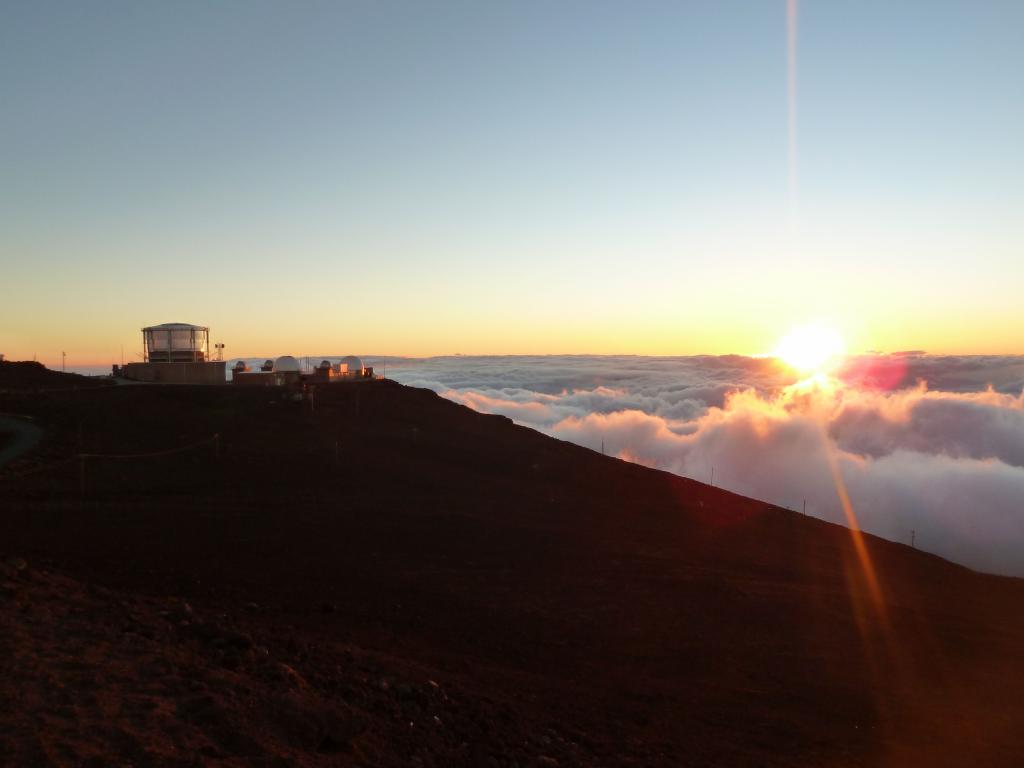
[810, 348]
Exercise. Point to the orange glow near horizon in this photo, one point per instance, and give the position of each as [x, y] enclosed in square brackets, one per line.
[97, 339]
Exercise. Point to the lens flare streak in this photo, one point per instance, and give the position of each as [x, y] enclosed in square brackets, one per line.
[867, 567]
[791, 36]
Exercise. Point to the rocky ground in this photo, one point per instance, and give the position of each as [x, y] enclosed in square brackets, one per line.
[382, 577]
[97, 677]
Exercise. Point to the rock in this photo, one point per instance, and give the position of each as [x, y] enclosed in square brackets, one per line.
[238, 641]
[231, 659]
[298, 721]
[200, 710]
[339, 733]
[410, 709]
[179, 613]
[205, 631]
[291, 677]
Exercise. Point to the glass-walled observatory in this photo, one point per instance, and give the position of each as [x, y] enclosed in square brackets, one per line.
[176, 343]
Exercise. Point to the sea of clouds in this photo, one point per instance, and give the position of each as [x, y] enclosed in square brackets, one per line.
[930, 444]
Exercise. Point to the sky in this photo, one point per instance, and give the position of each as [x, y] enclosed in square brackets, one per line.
[429, 178]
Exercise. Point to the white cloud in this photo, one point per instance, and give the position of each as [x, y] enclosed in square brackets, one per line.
[947, 464]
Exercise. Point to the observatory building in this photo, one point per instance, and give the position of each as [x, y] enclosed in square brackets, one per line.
[281, 372]
[349, 368]
[286, 371]
[176, 343]
[175, 353]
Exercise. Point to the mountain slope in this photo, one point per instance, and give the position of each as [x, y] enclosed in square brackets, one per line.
[623, 614]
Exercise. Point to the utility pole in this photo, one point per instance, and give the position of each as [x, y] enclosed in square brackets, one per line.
[602, 446]
[913, 535]
[63, 357]
[805, 506]
[712, 474]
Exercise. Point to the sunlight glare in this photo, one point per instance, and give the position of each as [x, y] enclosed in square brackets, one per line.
[810, 348]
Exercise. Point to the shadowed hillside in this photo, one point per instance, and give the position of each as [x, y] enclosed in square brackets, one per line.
[27, 374]
[424, 584]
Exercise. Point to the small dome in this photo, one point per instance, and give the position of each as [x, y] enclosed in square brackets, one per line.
[241, 367]
[325, 363]
[354, 363]
[286, 364]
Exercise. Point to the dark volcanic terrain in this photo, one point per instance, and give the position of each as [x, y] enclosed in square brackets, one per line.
[382, 577]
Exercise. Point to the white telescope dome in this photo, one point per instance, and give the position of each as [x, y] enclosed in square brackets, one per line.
[286, 364]
[354, 363]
